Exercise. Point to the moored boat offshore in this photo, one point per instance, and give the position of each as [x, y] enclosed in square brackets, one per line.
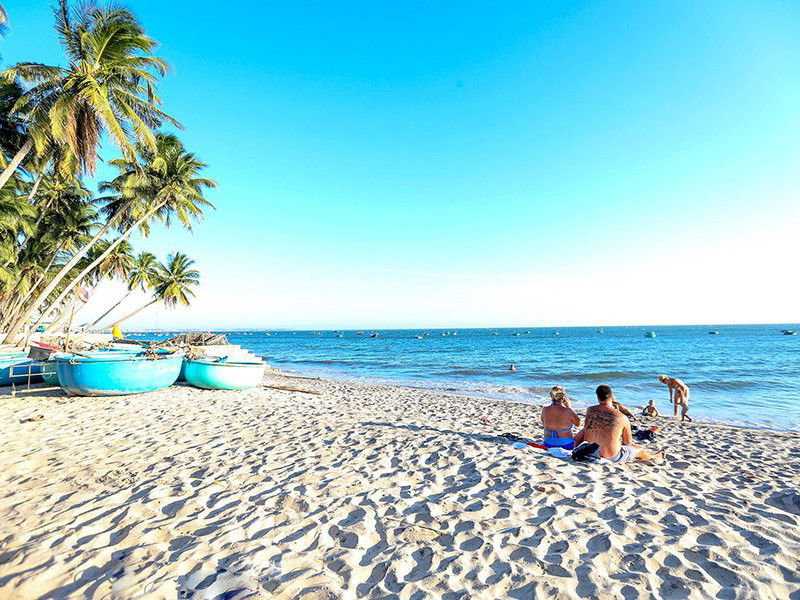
[216, 374]
[117, 373]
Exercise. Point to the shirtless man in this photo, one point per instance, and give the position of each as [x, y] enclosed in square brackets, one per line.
[678, 395]
[610, 429]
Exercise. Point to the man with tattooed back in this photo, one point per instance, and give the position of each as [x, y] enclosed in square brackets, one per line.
[611, 431]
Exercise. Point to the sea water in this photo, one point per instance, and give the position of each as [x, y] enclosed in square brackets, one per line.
[747, 375]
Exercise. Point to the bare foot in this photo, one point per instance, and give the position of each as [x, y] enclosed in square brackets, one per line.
[659, 457]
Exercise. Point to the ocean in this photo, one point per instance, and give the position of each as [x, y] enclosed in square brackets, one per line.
[744, 375]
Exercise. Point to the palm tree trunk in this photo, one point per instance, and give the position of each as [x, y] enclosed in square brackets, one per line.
[35, 188]
[128, 316]
[12, 166]
[66, 309]
[105, 314]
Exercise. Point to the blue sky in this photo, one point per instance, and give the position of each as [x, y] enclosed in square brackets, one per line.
[469, 163]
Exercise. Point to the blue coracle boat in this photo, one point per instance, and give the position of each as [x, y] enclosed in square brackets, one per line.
[50, 372]
[219, 374]
[18, 369]
[116, 373]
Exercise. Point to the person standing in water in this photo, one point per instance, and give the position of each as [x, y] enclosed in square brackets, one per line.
[558, 420]
[678, 395]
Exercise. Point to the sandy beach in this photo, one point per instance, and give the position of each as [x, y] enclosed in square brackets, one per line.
[328, 489]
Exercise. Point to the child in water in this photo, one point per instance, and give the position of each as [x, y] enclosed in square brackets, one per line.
[650, 410]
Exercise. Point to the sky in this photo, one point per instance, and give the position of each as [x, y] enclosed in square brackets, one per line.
[456, 163]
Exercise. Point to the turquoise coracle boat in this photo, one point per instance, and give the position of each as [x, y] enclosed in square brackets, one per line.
[116, 373]
[18, 369]
[50, 372]
[218, 374]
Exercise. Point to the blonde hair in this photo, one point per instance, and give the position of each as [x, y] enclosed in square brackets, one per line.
[558, 393]
[662, 378]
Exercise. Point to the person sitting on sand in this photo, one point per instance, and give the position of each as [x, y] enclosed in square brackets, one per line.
[678, 395]
[650, 410]
[558, 419]
[611, 431]
[623, 409]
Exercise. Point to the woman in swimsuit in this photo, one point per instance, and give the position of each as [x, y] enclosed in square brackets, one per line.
[558, 420]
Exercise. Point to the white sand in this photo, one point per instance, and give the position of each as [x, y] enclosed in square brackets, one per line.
[378, 492]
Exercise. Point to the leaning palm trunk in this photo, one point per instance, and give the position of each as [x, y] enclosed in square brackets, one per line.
[66, 312]
[129, 315]
[99, 260]
[110, 310]
[15, 162]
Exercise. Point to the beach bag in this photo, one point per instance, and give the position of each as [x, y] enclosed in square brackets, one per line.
[644, 435]
[585, 452]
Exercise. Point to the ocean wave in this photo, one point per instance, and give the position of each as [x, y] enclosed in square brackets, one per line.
[723, 385]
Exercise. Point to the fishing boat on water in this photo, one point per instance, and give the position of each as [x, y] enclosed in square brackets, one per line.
[649, 334]
[789, 332]
[218, 374]
[117, 373]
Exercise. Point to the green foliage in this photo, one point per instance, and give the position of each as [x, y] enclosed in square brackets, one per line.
[175, 279]
[54, 235]
[108, 87]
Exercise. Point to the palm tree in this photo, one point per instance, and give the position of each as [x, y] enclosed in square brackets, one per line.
[66, 227]
[172, 284]
[159, 184]
[140, 277]
[108, 88]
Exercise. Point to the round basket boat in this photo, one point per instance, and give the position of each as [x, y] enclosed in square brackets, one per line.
[18, 369]
[116, 373]
[211, 374]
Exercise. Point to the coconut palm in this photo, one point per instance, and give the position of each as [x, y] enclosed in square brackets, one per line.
[108, 88]
[142, 273]
[162, 184]
[172, 284]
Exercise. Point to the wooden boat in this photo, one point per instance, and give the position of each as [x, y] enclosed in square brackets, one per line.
[219, 374]
[18, 369]
[116, 373]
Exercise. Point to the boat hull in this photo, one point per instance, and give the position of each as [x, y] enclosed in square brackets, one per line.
[211, 375]
[19, 370]
[116, 374]
[49, 372]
